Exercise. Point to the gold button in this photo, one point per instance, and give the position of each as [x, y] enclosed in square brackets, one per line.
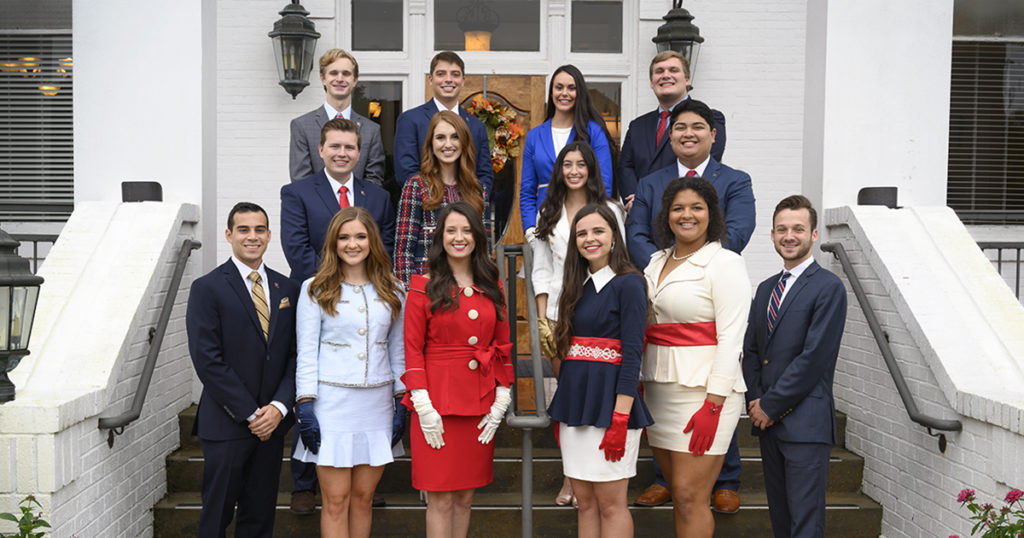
[472, 340]
[362, 355]
[473, 314]
[766, 361]
[362, 331]
[474, 364]
[468, 292]
[362, 309]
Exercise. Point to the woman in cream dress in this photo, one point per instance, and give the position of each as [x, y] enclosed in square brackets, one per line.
[700, 298]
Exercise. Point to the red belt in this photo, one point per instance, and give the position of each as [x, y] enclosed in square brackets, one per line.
[682, 334]
[606, 350]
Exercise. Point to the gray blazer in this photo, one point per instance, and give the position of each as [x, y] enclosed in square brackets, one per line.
[304, 150]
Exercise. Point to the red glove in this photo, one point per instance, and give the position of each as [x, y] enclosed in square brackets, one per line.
[614, 441]
[558, 442]
[704, 424]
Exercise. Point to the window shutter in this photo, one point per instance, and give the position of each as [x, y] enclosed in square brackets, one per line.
[36, 128]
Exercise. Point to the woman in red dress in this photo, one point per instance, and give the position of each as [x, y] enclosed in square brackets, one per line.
[458, 369]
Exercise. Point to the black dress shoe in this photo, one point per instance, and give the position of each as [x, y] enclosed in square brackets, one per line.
[378, 500]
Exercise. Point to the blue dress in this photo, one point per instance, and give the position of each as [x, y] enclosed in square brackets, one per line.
[587, 389]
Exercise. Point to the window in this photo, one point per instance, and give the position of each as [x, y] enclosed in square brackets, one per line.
[381, 101]
[377, 24]
[597, 26]
[482, 25]
[986, 112]
[607, 99]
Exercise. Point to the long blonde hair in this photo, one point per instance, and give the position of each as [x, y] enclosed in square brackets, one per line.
[465, 171]
[325, 288]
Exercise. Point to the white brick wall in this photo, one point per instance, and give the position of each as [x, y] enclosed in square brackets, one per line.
[904, 470]
[51, 446]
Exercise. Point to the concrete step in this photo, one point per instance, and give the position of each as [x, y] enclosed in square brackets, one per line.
[506, 436]
[184, 472]
[848, 515]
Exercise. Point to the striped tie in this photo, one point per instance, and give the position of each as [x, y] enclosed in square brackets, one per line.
[260, 301]
[773, 303]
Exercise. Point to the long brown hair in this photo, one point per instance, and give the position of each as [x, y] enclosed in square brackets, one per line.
[551, 208]
[465, 170]
[442, 283]
[577, 268]
[325, 288]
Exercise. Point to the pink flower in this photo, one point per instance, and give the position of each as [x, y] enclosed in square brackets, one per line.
[966, 494]
[1013, 496]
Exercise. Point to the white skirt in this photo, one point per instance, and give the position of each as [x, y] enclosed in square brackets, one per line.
[355, 427]
[672, 405]
[582, 460]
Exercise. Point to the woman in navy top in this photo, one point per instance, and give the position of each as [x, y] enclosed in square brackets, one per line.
[570, 115]
[602, 313]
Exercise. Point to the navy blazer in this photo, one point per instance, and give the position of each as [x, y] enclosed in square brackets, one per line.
[241, 371]
[791, 371]
[307, 207]
[539, 162]
[735, 195]
[411, 132]
[304, 147]
[640, 156]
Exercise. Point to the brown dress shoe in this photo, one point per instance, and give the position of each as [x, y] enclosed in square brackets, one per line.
[656, 495]
[303, 503]
[727, 501]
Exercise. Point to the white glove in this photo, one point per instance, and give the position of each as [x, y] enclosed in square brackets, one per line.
[489, 424]
[430, 419]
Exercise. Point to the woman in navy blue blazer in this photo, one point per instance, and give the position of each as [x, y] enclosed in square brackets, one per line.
[570, 114]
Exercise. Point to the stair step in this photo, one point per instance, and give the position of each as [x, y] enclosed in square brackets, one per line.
[506, 436]
[184, 472]
[848, 515]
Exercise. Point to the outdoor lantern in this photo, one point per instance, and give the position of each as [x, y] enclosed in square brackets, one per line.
[477, 22]
[19, 290]
[294, 38]
[679, 34]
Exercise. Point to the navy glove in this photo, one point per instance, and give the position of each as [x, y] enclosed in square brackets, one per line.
[309, 428]
[398, 421]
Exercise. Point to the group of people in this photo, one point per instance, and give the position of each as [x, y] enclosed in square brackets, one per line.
[644, 302]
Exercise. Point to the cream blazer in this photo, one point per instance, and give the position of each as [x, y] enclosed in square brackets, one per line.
[712, 285]
[549, 258]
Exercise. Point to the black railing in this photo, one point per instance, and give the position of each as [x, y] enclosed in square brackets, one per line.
[116, 424]
[36, 240]
[882, 340]
[507, 257]
[1014, 247]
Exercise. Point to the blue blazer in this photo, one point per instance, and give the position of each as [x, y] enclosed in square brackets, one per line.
[241, 371]
[307, 207]
[735, 194]
[791, 371]
[411, 132]
[539, 163]
[640, 156]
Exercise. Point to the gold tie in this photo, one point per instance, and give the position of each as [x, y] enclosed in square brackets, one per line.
[260, 301]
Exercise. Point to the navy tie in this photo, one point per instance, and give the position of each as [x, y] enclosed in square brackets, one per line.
[773, 302]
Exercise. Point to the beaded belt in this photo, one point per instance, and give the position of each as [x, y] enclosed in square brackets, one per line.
[682, 334]
[606, 350]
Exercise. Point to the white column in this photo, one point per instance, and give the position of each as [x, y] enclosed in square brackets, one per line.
[877, 99]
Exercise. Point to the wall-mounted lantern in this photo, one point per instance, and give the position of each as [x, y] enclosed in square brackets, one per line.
[294, 37]
[19, 291]
[679, 34]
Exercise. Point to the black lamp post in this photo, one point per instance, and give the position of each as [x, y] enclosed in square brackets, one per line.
[294, 37]
[679, 34]
[19, 290]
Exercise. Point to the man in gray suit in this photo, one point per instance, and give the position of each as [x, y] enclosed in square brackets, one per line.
[339, 73]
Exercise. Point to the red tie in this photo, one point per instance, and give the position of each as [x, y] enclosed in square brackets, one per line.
[662, 123]
[343, 196]
[689, 173]
[340, 115]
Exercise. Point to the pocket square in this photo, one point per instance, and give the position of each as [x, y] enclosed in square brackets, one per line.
[285, 303]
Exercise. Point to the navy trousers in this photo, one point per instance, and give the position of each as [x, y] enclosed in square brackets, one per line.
[303, 473]
[245, 472]
[795, 476]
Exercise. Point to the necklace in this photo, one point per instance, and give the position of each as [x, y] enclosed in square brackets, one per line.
[681, 258]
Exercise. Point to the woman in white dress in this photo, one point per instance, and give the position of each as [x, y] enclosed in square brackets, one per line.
[575, 182]
[351, 356]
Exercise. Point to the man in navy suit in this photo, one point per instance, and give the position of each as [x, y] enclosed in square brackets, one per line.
[789, 360]
[308, 205]
[643, 151]
[339, 73]
[447, 77]
[691, 130]
[240, 323]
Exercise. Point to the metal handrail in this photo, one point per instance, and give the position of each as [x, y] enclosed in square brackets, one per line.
[999, 247]
[116, 424]
[508, 254]
[882, 340]
[35, 239]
